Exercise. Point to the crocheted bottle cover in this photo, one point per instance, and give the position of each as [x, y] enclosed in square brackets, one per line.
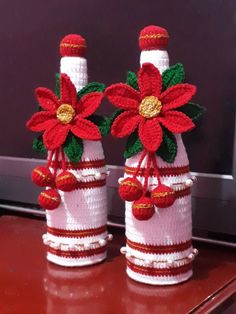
[76, 230]
[159, 250]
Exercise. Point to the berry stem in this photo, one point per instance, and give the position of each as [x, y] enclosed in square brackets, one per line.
[63, 162]
[140, 163]
[147, 173]
[56, 162]
[51, 153]
[156, 170]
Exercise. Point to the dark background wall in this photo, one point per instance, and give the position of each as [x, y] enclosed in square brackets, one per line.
[202, 37]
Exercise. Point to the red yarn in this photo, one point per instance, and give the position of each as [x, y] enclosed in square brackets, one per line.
[42, 176]
[130, 189]
[143, 208]
[60, 116]
[149, 109]
[73, 45]
[49, 199]
[66, 181]
[163, 196]
[153, 37]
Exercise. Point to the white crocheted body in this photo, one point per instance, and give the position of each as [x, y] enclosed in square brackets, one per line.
[76, 69]
[76, 230]
[159, 58]
[159, 250]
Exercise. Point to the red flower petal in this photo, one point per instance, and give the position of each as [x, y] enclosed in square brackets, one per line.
[85, 129]
[177, 95]
[176, 122]
[41, 121]
[55, 136]
[123, 96]
[46, 98]
[67, 90]
[89, 103]
[149, 80]
[125, 123]
[150, 133]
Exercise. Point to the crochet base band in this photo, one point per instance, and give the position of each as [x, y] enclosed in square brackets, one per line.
[159, 280]
[76, 258]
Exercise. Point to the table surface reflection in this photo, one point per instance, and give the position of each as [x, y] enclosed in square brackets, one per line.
[30, 284]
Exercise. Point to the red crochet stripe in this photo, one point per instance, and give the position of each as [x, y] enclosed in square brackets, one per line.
[173, 171]
[159, 249]
[76, 233]
[80, 165]
[77, 254]
[150, 271]
[90, 184]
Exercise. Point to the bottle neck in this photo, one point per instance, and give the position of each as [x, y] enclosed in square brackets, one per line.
[76, 69]
[159, 58]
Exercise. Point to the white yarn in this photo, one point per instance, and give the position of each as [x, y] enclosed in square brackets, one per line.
[76, 69]
[159, 58]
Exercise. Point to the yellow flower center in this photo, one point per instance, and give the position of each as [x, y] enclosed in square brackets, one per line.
[150, 107]
[65, 113]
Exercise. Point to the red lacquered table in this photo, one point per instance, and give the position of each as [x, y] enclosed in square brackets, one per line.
[30, 284]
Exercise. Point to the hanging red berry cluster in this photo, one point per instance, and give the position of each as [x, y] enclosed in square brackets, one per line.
[132, 190]
[64, 181]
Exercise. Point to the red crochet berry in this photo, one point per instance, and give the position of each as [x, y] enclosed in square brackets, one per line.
[130, 189]
[153, 37]
[66, 181]
[163, 196]
[49, 199]
[143, 209]
[42, 176]
[73, 45]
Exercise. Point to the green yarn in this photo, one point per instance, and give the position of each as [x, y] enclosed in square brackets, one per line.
[91, 87]
[57, 89]
[133, 145]
[38, 144]
[172, 76]
[132, 80]
[168, 148]
[73, 148]
[193, 111]
[103, 123]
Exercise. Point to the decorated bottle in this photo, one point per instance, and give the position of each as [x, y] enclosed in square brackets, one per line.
[74, 178]
[154, 109]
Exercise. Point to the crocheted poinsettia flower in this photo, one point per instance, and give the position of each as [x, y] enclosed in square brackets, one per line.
[148, 108]
[59, 116]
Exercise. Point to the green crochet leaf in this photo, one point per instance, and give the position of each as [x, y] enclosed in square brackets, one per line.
[172, 76]
[57, 90]
[193, 111]
[133, 145]
[38, 144]
[73, 148]
[132, 80]
[103, 123]
[168, 148]
[91, 87]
